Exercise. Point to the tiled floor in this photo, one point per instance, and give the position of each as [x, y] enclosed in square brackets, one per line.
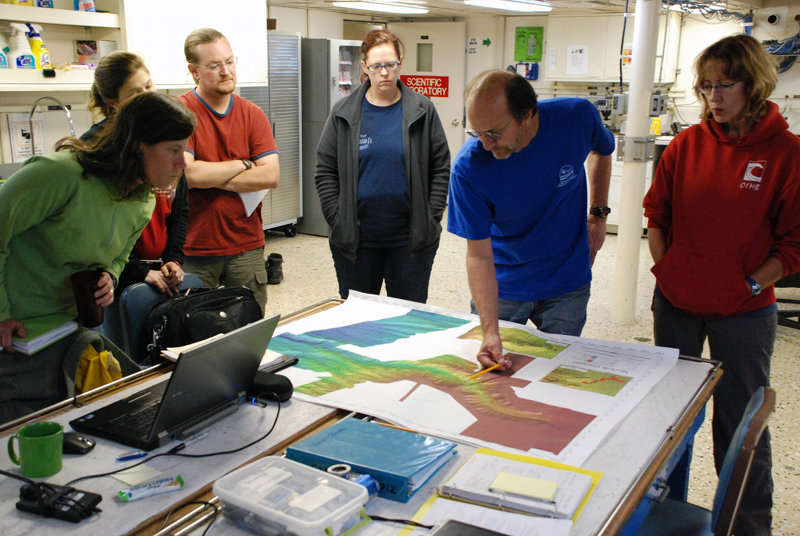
[309, 278]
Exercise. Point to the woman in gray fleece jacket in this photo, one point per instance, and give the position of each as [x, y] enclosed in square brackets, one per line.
[383, 167]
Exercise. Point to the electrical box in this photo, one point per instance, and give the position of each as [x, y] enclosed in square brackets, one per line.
[658, 105]
[620, 105]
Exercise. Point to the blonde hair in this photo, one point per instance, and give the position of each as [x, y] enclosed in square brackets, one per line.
[742, 58]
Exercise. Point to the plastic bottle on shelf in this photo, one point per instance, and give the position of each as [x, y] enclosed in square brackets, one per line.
[19, 2]
[4, 50]
[20, 55]
[39, 51]
[84, 5]
[43, 3]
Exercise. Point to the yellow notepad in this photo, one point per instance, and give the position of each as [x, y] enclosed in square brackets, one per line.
[524, 486]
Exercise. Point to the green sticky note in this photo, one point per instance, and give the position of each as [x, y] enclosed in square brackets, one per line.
[523, 486]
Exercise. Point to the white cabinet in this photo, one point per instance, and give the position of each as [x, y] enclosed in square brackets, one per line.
[157, 29]
[587, 48]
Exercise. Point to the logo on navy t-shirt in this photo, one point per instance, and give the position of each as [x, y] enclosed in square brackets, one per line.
[566, 175]
[364, 142]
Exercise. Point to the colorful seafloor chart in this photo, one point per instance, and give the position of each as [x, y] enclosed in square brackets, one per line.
[409, 363]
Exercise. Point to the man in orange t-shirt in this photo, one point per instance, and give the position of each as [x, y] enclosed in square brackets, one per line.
[232, 154]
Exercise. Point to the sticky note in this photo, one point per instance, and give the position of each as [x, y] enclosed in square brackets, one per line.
[523, 486]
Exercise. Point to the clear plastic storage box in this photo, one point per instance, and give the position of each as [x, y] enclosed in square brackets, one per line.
[274, 496]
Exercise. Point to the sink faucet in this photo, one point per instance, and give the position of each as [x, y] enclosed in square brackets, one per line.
[33, 109]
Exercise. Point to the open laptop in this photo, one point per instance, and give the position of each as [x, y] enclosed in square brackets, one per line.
[208, 383]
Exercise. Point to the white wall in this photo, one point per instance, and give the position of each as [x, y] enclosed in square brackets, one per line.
[484, 45]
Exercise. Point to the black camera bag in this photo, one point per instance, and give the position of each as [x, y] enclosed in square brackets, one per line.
[198, 313]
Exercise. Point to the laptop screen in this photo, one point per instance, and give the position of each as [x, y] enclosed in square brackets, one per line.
[210, 375]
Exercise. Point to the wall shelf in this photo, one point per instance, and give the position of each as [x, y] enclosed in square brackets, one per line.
[34, 80]
[66, 17]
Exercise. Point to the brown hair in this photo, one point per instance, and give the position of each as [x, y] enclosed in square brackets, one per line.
[376, 38]
[739, 57]
[115, 155]
[110, 75]
[200, 36]
[520, 96]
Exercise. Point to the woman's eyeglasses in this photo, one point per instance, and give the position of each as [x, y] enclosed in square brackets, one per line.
[376, 67]
[722, 87]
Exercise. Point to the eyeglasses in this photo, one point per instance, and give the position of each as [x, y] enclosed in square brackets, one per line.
[376, 67]
[215, 67]
[722, 87]
[494, 136]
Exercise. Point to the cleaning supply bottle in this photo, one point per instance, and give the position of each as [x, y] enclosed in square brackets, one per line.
[84, 5]
[20, 55]
[4, 50]
[40, 52]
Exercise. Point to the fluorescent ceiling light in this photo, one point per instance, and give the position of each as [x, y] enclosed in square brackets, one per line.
[398, 8]
[510, 5]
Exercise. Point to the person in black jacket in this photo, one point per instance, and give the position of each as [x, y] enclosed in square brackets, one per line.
[158, 254]
[382, 172]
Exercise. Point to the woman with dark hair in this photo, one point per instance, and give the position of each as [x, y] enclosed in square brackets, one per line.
[158, 254]
[80, 208]
[383, 167]
[724, 225]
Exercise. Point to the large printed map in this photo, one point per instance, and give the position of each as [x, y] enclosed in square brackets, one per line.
[410, 364]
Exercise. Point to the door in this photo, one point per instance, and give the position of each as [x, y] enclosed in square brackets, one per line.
[434, 64]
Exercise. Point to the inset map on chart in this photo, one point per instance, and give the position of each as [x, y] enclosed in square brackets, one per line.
[410, 364]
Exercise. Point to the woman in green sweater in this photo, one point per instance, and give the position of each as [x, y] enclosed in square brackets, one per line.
[80, 208]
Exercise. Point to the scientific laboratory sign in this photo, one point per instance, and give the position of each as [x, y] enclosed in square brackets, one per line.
[430, 86]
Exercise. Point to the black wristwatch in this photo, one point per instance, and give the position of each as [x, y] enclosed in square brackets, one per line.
[755, 286]
[600, 212]
[247, 164]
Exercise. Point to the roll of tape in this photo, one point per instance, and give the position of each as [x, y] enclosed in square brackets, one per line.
[340, 469]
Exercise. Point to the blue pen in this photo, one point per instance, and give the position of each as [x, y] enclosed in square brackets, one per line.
[133, 455]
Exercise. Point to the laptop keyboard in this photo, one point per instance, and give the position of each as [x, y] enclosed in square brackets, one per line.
[140, 420]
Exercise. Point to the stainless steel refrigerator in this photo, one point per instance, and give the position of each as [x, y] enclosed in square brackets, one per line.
[331, 70]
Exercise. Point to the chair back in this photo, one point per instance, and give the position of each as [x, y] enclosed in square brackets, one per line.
[134, 303]
[738, 460]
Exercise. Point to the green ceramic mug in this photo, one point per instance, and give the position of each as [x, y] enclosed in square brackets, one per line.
[40, 449]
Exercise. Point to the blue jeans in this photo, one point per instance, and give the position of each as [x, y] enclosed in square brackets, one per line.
[406, 275]
[564, 314]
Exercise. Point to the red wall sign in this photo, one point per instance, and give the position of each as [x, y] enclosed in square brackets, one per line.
[430, 86]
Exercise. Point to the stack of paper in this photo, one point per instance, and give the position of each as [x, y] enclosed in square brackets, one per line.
[400, 461]
[43, 332]
[521, 483]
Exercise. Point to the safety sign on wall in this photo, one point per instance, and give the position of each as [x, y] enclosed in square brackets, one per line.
[430, 86]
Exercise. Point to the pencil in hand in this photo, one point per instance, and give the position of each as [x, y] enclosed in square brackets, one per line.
[484, 371]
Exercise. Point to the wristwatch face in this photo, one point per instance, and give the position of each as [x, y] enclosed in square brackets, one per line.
[247, 163]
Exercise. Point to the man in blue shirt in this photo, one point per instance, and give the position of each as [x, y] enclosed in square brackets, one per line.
[518, 194]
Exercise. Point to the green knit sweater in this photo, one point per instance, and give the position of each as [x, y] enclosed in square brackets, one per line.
[53, 223]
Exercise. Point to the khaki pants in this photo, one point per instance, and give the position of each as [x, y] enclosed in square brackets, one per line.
[243, 269]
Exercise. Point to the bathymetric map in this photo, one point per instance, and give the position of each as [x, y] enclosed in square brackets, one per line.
[409, 364]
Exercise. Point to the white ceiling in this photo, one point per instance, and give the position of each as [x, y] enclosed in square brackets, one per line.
[456, 8]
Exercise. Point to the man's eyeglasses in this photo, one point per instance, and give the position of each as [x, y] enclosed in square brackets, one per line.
[722, 87]
[215, 67]
[494, 136]
[376, 67]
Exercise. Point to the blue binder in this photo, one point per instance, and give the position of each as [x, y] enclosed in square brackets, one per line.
[401, 462]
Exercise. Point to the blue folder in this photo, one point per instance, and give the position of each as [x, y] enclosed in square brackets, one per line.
[401, 462]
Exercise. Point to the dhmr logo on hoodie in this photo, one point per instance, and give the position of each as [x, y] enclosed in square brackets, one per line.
[753, 175]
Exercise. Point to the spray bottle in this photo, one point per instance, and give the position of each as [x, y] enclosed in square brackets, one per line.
[40, 52]
[4, 50]
[20, 55]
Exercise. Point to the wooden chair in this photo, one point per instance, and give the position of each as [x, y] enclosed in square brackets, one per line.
[134, 303]
[678, 518]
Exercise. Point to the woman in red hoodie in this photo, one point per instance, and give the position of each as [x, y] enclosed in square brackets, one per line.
[724, 225]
